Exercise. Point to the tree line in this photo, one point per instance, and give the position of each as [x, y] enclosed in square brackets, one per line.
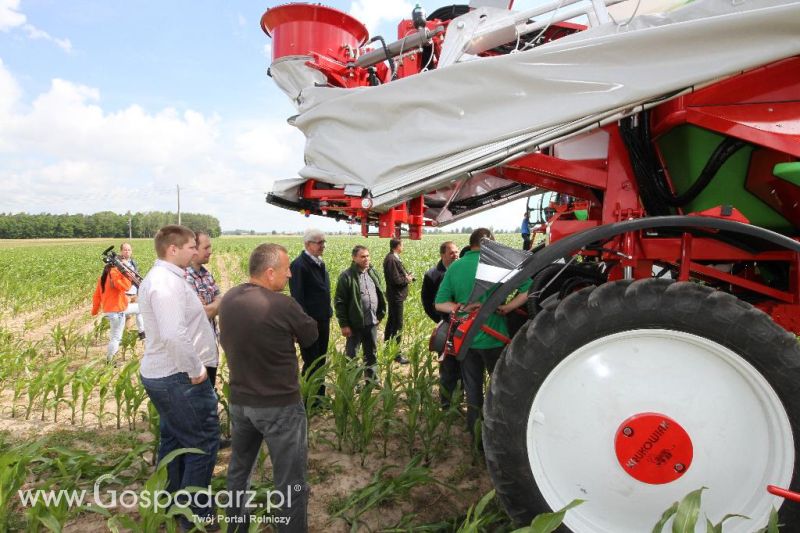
[102, 224]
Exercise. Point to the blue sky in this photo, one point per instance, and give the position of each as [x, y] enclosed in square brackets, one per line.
[110, 105]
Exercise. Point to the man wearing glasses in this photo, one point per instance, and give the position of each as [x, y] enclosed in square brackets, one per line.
[310, 286]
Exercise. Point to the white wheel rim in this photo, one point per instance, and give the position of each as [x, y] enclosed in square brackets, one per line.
[739, 429]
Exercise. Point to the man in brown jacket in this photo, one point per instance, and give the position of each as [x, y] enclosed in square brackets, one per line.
[258, 328]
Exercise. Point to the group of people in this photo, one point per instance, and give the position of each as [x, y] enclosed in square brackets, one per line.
[179, 304]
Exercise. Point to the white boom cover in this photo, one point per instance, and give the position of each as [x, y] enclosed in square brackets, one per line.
[397, 139]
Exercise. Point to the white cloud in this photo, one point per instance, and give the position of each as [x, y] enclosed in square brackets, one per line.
[268, 51]
[67, 121]
[372, 12]
[270, 144]
[9, 90]
[10, 16]
[63, 152]
[35, 33]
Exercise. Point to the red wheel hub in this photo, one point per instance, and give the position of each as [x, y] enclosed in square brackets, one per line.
[653, 448]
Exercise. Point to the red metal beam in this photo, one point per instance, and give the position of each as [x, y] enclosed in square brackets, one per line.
[545, 181]
[706, 249]
[760, 288]
[775, 125]
[587, 173]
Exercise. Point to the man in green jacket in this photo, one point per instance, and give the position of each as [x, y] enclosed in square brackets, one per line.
[484, 351]
[360, 304]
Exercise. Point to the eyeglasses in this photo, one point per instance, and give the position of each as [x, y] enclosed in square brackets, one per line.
[322, 242]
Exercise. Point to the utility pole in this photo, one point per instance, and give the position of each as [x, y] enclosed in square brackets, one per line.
[130, 228]
[179, 204]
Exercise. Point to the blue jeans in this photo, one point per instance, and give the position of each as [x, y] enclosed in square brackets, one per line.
[188, 419]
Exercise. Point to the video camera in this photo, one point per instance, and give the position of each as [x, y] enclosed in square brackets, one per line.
[111, 258]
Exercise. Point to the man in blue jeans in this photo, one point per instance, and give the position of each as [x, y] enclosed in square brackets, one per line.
[179, 345]
[258, 327]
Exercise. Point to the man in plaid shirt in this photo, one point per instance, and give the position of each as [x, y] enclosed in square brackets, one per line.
[206, 288]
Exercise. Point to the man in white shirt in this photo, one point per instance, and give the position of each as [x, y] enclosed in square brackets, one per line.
[180, 344]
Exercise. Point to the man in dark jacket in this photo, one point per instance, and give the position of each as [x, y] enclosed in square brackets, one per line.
[360, 304]
[310, 285]
[449, 367]
[397, 280]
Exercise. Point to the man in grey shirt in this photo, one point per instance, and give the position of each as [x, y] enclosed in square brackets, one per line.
[359, 305]
[179, 345]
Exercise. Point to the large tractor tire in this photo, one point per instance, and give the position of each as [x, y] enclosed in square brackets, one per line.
[630, 395]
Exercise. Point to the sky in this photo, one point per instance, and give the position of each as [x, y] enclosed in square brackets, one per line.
[109, 105]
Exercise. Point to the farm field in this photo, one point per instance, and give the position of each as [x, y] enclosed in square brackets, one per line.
[387, 460]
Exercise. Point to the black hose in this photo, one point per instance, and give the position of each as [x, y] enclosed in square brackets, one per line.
[654, 191]
[724, 150]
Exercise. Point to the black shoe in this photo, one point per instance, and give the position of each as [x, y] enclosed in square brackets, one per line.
[141, 335]
[224, 443]
[400, 359]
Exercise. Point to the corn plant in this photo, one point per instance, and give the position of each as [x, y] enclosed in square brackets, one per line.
[483, 515]
[65, 339]
[21, 364]
[310, 383]
[686, 513]
[52, 517]
[13, 473]
[345, 386]
[36, 387]
[128, 393]
[388, 397]
[103, 385]
[384, 488]
[225, 403]
[89, 377]
[153, 517]
[81, 386]
[99, 329]
[128, 343]
[549, 522]
[154, 425]
[366, 420]
[56, 380]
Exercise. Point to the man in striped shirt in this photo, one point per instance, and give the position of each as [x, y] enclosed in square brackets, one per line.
[206, 288]
[180, 345]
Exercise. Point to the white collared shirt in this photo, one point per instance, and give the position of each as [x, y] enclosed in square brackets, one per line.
[316, 259]
[179, 337]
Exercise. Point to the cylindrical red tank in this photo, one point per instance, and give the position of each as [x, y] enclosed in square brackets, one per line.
[298, 29]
